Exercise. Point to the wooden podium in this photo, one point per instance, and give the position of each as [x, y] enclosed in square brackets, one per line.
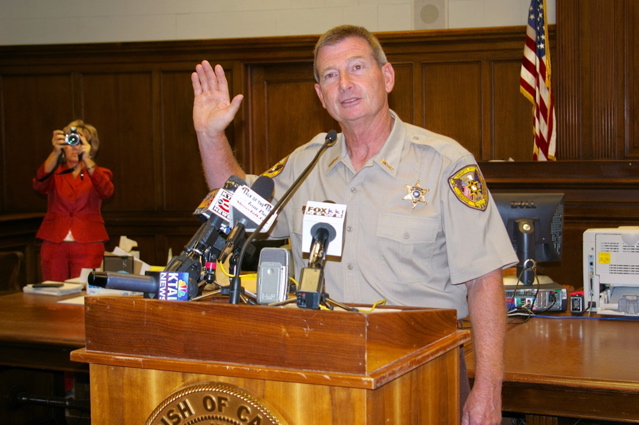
[170, 363]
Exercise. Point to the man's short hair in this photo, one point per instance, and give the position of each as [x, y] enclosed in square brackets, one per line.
[338, 34]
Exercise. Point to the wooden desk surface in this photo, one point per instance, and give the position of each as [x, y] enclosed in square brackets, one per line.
[574, 367]
[38, 332]
[588, 353]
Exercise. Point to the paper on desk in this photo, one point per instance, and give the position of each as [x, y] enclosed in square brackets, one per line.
[82, 279]
[74, 300]
[65, 289]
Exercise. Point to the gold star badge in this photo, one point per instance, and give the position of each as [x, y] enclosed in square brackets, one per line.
[415, 193]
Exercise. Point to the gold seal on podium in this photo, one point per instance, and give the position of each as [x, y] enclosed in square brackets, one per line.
[214, 403]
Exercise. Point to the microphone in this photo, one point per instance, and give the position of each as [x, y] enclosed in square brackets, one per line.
[322, 235]
[323, 223]
[218, 211]
[123, 281]
[215, 207]
[249, 207]
[165, 285]
[325, 215]
[218, 201]
[202, 211]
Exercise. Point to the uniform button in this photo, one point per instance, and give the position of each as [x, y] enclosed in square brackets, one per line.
[353, 189]
[406, 235]
[349, 228]
[350, 266]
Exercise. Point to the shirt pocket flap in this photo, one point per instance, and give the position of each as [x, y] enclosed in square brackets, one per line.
[407, 230]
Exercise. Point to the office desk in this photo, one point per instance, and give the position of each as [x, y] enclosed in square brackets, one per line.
[570, 367]
[37, 335]
[38, 332]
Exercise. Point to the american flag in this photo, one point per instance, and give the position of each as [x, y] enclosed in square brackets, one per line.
[534, 82]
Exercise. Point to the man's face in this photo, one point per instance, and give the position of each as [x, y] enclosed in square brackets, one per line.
[351, 85]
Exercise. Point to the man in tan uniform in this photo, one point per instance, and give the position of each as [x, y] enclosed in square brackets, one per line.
[421, 228]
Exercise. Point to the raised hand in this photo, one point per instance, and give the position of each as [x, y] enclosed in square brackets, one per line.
[213, 110]
[57, 140]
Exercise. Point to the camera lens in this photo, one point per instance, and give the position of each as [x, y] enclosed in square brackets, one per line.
[72, 139]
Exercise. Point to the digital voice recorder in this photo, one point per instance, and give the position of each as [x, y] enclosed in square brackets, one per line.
[272, 275]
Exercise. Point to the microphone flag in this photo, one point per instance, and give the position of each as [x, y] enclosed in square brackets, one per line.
[329, 216]
[249, 207]
[173, 286]
[218, 203]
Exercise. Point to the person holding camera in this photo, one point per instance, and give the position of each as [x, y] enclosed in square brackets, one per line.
[73, 231]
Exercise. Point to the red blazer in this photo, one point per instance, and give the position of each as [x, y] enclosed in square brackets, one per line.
[74, 203]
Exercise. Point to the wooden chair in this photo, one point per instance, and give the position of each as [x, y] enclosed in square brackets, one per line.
[10, 263]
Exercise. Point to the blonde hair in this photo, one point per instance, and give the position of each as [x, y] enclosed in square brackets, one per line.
[88, 131]
[341, 33]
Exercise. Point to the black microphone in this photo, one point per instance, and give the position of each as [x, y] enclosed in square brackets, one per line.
[164, 285]
[329, 140]
[124, 281]
[322, 233]
[209, 232]
[217, 202]
[263, 187]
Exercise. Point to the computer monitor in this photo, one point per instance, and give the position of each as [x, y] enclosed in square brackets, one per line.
[534, 222]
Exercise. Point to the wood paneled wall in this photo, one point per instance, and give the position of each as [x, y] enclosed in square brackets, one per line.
[597, 58]
[462, 83]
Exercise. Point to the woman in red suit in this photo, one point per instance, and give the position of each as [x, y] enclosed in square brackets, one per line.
[72, 232]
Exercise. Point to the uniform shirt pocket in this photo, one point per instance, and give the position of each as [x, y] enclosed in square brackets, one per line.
[407, 245]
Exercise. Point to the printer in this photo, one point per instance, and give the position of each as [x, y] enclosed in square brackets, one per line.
[611, 270]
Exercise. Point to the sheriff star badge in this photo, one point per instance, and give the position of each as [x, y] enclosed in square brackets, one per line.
[415, 193]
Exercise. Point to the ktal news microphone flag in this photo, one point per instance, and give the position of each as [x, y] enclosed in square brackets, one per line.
[534, 82]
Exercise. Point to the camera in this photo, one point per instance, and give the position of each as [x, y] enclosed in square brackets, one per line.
[73, 138]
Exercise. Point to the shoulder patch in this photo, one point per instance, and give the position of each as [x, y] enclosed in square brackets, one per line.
[469, 187]
[276, 169]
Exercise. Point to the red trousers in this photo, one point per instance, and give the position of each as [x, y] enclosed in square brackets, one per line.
[65, 260]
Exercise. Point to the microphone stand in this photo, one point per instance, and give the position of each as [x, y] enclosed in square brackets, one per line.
[236, 292]
[236, 283]
[311, 293]
[235, 287]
